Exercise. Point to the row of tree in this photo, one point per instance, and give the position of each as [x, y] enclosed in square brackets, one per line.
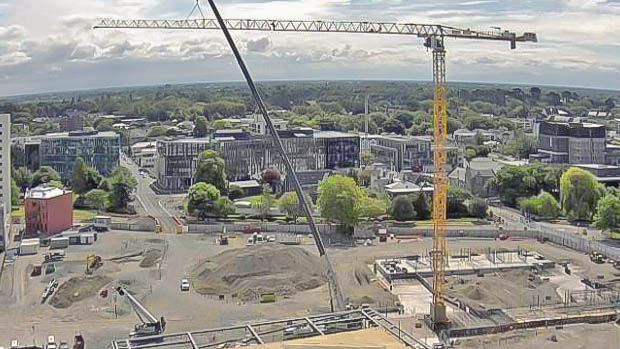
[92, 190]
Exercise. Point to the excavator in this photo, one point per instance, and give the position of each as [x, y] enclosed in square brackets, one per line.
[150, 325]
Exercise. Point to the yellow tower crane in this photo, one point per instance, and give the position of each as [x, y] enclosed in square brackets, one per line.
[434, 36]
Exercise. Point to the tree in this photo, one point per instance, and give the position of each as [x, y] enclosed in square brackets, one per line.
[211, 169]
[44, 175]
[263, 204]
[579, 193]
[96, 199]
[290, 205]
[123, 185]
[202, 198]
[55, 184]
[105, 185]
[457, 198]
[340, 200]
[548, 206]
[79, 177]
[373, 207]
[14, 193]
[200, 127]
[421, 206]
[608, 214]
[394, 126]
[402, 209]
[478, 208]
[235, 192]
[223, 207]
[23, 178]
[272, 177]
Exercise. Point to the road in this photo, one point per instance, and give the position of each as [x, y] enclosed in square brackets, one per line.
[149, 203]
[569, 235]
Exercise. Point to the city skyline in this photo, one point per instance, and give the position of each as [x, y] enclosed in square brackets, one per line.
[51, 46]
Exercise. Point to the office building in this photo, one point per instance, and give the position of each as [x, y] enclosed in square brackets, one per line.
[5, 166]
[247, 155]
[175, 163]
[48, 211]
[100, 150]
[571, 143]
[72, 122]
[338, 150]
[415, 153]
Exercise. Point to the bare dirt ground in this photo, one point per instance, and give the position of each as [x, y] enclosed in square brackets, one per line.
[513, 289]
[582, 336]
[101, 320]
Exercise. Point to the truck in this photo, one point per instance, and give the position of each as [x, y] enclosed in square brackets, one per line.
[59, 242]
[29, 246]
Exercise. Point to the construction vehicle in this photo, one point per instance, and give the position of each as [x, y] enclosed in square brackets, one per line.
[78, 342]
[93, 262]
[597, 257]
[222, 240]
[150, 325]
[433, 36]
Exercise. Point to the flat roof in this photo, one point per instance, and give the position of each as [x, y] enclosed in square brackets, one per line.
[597, 166]
[334, 134]
[42, 192]
[245, 184]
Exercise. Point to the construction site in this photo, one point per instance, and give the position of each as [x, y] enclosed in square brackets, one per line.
[199, 290]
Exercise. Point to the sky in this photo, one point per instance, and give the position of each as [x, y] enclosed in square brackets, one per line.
[51, 46]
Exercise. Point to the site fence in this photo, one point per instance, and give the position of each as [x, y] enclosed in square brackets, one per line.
[262, 227]
[570, 240]
[132, 227]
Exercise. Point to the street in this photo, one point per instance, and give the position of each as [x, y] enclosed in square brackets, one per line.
[147, 202]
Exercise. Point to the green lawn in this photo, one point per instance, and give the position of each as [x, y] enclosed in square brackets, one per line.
[83, 215]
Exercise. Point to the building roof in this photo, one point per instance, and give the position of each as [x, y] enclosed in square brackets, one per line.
[458, 174]
[334, 134]
[246, 184]
[44, 192]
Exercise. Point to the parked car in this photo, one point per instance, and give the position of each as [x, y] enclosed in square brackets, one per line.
[63, 345]
[51, 343]
[184, 285]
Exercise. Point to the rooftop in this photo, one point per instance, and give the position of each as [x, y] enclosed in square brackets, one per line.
[43, 192]
[334, 134]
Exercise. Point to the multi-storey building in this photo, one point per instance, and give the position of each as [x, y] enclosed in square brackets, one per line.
[571, 143]
[413, 153]
[99, 150]
[176, 162]
[338, 150]
[48, 211]
[247, 155]
[5, 165]
[72, 122]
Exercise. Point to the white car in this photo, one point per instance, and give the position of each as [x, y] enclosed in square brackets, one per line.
[51, 343]
[184, 285]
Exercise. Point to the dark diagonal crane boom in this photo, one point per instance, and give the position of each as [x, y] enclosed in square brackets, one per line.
[434, 36]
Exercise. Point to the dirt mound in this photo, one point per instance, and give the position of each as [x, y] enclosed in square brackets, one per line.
[151, 256]
[252, 271]
[474, 292]
[77, 289]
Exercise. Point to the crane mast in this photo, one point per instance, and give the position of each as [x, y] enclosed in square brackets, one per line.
[434, 36]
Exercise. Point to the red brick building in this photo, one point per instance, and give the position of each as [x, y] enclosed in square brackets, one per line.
[48, 211]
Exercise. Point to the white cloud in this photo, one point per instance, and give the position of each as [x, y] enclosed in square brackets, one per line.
[55, 38]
